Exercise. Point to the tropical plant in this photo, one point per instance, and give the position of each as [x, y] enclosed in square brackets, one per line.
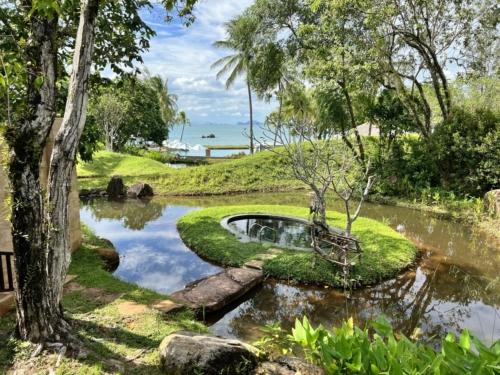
[350, 349]
[239, 40]
[168, 101]
[182, 119]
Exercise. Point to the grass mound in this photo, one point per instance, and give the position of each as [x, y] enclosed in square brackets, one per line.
[107, 164]
[261, 172]
[385, 251]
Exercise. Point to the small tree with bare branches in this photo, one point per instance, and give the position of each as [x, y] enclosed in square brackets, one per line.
[327, 165]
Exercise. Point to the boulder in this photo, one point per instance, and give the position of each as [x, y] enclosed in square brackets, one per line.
[116, 187]
[288, 366]
[84, 193]
[184, 353]
[95, 191]
[140, 189]
[492, 202]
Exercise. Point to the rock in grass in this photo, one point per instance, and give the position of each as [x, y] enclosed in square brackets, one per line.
[288, 366]
[140, 189]
[184, 353]
[116, 187]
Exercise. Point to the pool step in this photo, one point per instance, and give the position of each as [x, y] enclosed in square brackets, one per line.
[214, 292]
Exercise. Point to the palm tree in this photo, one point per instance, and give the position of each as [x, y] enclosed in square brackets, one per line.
[168, 102]
[239, 41]
[182, 119]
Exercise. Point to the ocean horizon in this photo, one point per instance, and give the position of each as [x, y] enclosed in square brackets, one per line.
[225, 134]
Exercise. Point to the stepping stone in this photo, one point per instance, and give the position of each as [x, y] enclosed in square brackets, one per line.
[276, 251]
[69, 278]
[92, 292]
[266, 256]
[216, 291]
[255, 264]
[73, 287]
[166, 306]
[110, 298]
[131, 308]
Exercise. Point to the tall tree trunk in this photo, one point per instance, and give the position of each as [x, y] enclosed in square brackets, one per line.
[66, 143]
[40, 228]
[251, 116]
[37, 311]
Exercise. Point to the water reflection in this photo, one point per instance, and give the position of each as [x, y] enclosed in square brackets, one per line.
[151, 252]
[283, 232]
[452, 285]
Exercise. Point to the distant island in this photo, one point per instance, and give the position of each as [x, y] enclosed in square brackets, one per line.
[248, 123]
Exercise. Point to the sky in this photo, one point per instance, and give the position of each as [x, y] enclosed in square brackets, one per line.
[184, 56]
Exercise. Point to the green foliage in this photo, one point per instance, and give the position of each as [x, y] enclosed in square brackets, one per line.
[128, 110]
[349, 350]
[385, 251]
[466, 149]
[90, 141]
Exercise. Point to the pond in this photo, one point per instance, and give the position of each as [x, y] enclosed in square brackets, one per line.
[283, 231]
[452, 286]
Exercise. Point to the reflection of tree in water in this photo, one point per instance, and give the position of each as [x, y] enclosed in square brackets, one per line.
[430, 297]
[133, 213]
[286, 233]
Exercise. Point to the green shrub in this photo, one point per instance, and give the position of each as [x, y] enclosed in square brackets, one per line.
[350, 350]
[466, 149]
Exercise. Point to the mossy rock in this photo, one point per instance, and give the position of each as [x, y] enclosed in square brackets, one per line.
[386, 252]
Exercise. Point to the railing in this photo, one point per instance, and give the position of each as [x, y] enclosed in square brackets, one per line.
[6, 275]
[263, 228]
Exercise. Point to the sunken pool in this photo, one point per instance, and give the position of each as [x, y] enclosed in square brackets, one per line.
[282, 230]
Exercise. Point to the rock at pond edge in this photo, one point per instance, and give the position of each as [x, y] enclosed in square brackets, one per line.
[116, 187]
[186, 352]
[140, 189]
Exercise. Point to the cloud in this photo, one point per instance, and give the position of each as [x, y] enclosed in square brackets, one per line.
[184, 56]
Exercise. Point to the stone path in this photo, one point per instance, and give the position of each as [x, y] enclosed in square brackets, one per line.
[125, 308]
[216, 291]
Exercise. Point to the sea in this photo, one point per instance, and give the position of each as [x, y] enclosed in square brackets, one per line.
[225, 135]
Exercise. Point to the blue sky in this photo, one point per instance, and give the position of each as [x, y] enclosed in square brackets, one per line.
[185, 54]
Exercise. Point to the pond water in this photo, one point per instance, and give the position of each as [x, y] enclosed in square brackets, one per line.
[453, 285]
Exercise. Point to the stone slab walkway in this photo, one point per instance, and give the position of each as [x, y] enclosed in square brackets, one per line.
[216, 291]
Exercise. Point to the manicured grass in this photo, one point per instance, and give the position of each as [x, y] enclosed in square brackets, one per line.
[110, 337]
[261, 172]
[385, 251]
[107, 164]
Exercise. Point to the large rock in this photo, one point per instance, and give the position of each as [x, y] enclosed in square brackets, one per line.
[183, 353]
[140, 189]
[492, 202]
[288, 366]
[116, 187]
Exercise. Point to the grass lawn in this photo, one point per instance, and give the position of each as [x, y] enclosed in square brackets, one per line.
[386, 252]
[111, 338]
[261, 172]
[107, 164]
